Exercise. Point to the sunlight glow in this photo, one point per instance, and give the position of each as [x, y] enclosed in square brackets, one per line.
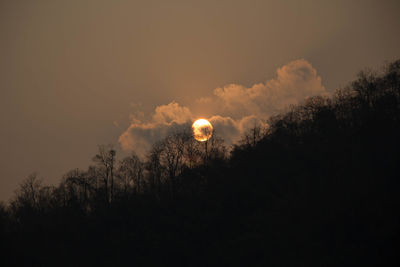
[202, 130]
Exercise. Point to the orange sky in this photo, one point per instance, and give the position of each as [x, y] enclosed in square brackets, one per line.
[73, 74]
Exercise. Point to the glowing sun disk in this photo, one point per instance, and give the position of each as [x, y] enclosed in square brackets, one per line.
[202, 130]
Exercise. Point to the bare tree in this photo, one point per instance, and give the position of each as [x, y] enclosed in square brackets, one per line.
[28, 193]
[192, 153]
[170, 156]
[252, 136]
[130, 173]
[79, 186]
[216, 148]
[106, 162]
[154, 168]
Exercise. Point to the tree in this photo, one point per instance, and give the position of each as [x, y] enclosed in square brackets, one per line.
[106, 161]
[130, 174]
[28, 193]
[252, 136]
[79, 186]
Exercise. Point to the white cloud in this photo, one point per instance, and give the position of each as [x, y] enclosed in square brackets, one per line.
[141, 135]
[172, 113]
[235, 108]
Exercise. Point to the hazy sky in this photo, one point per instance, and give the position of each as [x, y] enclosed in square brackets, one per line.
[76, 74]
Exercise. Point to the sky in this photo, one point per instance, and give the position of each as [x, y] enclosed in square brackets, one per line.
[78, 74]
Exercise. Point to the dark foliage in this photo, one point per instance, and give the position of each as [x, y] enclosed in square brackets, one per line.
[319, 187]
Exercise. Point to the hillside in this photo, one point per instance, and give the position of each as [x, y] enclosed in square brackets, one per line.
[318, 187]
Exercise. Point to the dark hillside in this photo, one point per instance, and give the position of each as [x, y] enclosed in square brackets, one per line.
[319, 187]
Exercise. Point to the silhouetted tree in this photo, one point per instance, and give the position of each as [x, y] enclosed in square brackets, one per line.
[106, 161]
[130, 174]
[28, 193]
[252, 136]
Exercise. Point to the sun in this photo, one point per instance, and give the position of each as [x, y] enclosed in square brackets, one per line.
[202, 130]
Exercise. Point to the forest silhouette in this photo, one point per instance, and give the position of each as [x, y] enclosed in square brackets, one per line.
[318, 187]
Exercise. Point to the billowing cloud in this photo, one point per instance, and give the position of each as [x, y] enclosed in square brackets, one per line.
[234, 108]
[294, 82]
[140, 135]
[171, 113]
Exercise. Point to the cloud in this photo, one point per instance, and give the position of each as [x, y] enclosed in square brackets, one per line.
[226, 127]
[294, 82]
[234, 108]
[140, 135]
[172, 113]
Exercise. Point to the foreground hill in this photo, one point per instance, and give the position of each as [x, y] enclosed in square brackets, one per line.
[319, 187]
